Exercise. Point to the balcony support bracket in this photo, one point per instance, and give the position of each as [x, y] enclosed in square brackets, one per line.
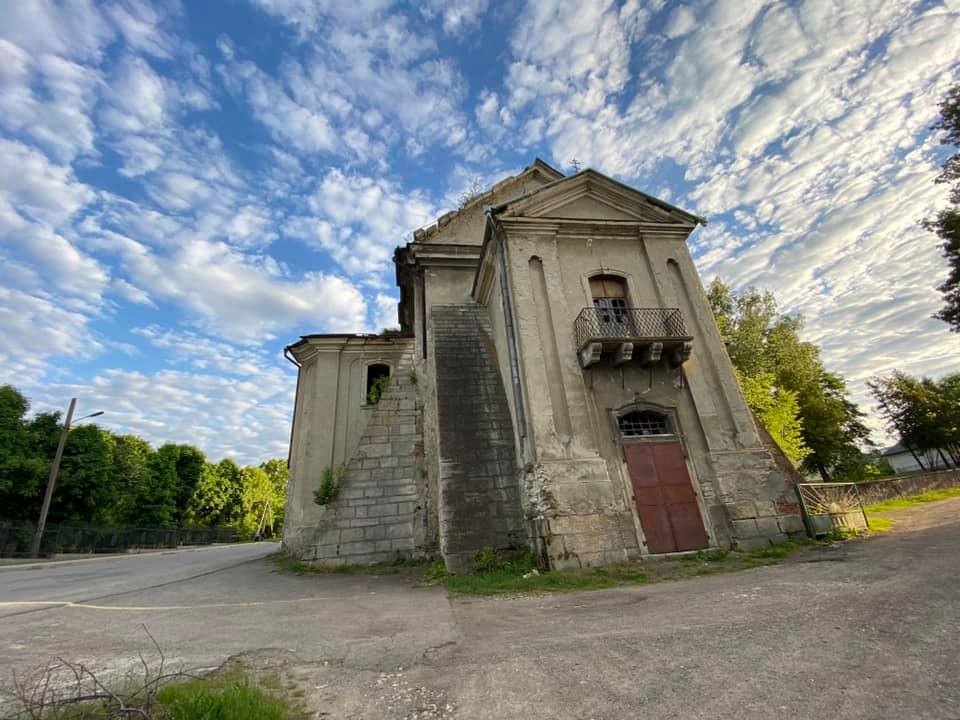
[624, 353]
[681, 354]
[590, 354]
[651, 353]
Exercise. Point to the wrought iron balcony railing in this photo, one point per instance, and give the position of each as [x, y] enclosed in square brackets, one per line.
[654, 328]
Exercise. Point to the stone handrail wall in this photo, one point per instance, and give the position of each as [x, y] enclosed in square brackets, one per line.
[875, 491]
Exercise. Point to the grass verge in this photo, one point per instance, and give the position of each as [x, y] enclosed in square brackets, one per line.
[232, 696]
[878, 523]
[910, 501]
[641, 572]
[512, 572]
[426, 567]
[226, 695]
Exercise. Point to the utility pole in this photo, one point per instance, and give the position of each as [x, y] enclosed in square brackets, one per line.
[42, 522]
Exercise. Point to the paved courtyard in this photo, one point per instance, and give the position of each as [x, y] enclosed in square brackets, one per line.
[863, 630]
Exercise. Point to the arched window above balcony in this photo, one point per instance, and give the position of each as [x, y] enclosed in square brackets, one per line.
[609, 298]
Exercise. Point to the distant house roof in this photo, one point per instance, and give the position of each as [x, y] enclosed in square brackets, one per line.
[894, 450]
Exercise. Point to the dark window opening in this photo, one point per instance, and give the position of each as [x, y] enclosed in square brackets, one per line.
[610, 300]
[643, 422]
[378, 374]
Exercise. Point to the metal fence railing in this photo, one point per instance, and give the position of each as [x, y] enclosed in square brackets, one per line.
[602, 324]
[15, 538]
[828, 507]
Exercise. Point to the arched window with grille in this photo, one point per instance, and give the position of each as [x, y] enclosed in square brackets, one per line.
[643, 423]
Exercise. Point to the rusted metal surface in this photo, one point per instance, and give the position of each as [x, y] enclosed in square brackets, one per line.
[666, 502]
[610, 322]
[831, 506]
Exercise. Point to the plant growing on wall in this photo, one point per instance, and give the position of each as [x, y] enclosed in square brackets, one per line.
[377, 388]
[329, 485]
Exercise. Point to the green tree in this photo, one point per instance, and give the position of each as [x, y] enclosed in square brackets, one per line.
[779, 412]
[190, 463]
[765, 347]
[86, 484]
[215, 499]
[130, 455]
[278, 473]
[923, 412]
[260, 500]
[233, 509]
[946, 224]
[23, 467]
[156, 503]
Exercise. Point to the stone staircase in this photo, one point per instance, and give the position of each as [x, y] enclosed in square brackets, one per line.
[480, 503]
[374, 515]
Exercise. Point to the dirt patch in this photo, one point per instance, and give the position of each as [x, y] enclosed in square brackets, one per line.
[923, 517]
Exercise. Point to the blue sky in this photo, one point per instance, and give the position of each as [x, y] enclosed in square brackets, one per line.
[189, 186]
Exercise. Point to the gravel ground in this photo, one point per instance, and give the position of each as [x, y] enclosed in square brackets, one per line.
[866, 629]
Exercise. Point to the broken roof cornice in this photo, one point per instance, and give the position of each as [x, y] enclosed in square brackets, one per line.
[587, 175]
[537, 166]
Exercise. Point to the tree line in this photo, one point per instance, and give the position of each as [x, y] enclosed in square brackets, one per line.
[925, 414]
[109, 479]
[802, 405]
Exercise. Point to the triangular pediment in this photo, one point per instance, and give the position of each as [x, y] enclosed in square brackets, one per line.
[590, 195]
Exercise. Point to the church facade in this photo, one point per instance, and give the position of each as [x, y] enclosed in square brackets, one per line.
[558, 382]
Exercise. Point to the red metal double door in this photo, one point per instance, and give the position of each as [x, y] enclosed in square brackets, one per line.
[665, 499]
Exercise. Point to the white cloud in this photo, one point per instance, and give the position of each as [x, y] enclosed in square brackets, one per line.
[361, 62]
[802, 130]
[34, 327]
[246, 418]
[385, 316]
[359, 220]
[457, 16]
[39, 190]
[682, 21]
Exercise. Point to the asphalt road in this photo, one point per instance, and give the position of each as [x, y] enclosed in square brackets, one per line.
[29, 587]
[864, 630]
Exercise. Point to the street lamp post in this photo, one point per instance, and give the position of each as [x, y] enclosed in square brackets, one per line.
[51, 481]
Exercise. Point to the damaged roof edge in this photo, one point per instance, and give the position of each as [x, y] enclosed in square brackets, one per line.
[663, 204]
[444, 219]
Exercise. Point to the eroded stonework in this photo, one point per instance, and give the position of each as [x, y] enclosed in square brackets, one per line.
[559, 383]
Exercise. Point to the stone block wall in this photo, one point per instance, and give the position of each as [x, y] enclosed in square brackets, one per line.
[480, 502]
[377, 514]
[879, 490]
[757, 496]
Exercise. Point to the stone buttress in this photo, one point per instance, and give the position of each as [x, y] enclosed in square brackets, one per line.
[480, 502]
[377, 514]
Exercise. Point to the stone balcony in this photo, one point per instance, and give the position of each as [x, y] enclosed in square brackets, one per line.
[650, 333]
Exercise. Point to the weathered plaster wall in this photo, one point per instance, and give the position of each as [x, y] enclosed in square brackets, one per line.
[330, 417]
[744, 497]
[379, 511]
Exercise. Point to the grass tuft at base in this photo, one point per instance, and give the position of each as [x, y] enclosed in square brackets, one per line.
[231, 697]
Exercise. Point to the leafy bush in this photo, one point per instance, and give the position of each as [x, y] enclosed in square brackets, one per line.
[516, 560]
[377, 388]
[329, 485]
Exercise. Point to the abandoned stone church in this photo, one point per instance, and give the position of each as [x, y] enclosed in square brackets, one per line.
[558, 382]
